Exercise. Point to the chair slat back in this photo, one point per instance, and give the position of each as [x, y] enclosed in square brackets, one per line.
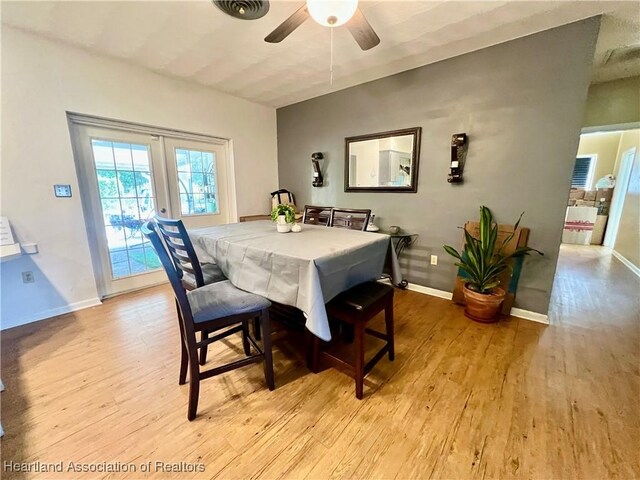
[149, 230]
[351, 218]
[314, 215]
[180, 248]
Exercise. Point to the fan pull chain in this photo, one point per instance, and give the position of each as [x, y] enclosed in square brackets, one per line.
[331, 64]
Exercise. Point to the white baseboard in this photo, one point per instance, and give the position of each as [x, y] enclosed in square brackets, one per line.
[515, 312]
[434, 292]
[136, 289]
[529, 315]
[626, 263]
[54, 312]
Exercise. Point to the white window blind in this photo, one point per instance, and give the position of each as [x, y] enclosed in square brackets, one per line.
[581, 172]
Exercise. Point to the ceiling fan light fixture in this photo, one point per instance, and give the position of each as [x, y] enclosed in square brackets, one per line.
[332, 13]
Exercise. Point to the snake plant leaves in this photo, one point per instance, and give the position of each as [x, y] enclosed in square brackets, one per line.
[479, 260]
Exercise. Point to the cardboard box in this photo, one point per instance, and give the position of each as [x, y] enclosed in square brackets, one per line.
[576, 194]
[590, 195]
[578, 225]
[604, 195]
[585, 203]
[599, 228]
[572, 202]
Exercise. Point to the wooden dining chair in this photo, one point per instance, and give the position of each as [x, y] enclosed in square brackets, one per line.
[314, 215]
[191, 272]
[218, 308]
[351, 218]
[356, 307]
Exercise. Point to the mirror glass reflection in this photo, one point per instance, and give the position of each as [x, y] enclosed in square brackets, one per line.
[382, 162]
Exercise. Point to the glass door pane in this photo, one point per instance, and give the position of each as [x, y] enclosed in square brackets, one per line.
[198, 182]
[125, 186]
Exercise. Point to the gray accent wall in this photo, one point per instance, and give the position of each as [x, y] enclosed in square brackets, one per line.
[522, 105]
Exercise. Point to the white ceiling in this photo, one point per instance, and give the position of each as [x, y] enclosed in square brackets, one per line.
[618, 30]
[196, 41]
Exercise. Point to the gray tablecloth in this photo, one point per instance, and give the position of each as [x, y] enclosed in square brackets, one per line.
[305, 269]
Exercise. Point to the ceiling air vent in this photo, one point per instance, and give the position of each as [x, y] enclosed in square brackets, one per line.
[244, 9]
[622, 55]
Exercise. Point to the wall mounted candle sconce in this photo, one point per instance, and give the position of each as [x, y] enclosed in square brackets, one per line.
[459, 146]
[317, 173]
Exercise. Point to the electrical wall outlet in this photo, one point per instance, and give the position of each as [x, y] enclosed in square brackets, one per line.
[27, 277]
[434, 259]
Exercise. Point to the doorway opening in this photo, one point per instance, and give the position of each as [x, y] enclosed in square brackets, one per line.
[600, 200]
[599, 256]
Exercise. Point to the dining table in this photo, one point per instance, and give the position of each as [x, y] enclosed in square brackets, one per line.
[303, 269]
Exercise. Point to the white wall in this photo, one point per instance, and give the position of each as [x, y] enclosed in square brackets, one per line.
[41, 80]
[367, 162]
[399, 144]
[605, 146]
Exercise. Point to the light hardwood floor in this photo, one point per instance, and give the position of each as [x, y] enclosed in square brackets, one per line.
[462, 400]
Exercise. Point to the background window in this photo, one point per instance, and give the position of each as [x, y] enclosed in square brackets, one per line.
[583, 172]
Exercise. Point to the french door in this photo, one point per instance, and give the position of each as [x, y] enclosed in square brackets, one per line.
[199, 180]
[127, 178]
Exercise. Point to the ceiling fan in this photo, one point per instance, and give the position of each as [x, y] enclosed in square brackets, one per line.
[329, 13]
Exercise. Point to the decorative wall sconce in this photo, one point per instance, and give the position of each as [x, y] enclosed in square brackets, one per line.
[459, 145]
[317, 173]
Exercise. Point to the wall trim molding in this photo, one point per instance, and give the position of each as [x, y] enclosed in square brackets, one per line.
[434, 292]
[515, 312]
[529, 315]
[610, 128]
[53, 312]
[112, 123]
[627, 263]
[136, 289]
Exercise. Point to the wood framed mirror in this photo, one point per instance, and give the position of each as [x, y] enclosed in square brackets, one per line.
[383, 162]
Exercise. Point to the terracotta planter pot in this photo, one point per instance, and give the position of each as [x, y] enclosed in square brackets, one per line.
[483, 308]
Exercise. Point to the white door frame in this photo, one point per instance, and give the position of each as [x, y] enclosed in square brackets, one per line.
[619, 194]
[92, 120]
[106, 282]
[76, 120]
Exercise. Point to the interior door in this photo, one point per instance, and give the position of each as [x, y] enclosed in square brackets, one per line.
[122, 178]
[619, 195]
[198, 178]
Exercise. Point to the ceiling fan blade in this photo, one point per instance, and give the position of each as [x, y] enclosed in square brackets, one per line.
[362, 31]
[288, 26]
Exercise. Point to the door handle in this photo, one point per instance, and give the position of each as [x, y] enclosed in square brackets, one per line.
[163, 210]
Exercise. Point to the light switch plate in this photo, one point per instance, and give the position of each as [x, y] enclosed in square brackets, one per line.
[62, 190]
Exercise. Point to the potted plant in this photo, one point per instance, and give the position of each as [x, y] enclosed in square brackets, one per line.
[284, 215]
[482, 262]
